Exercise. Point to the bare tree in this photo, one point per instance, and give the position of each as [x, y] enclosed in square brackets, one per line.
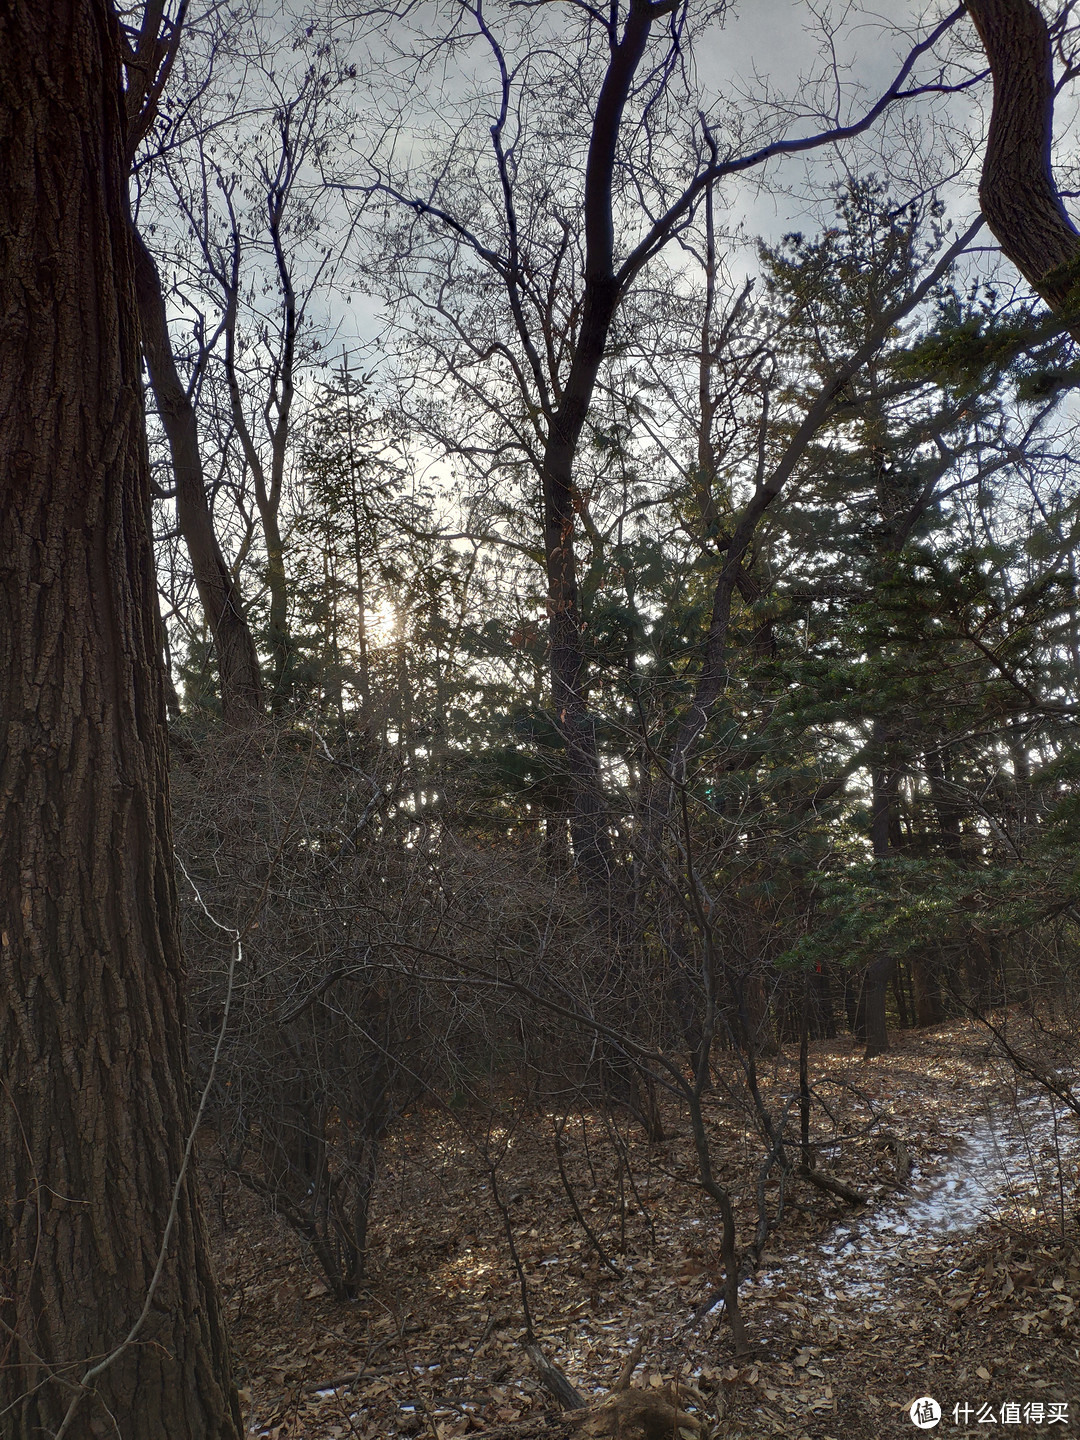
[226, 203]
[149, 58]
[560, 239]
[261, 368]
[218, 587]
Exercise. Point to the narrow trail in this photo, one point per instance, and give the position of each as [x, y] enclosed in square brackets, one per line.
[1005, 1166]
[963, 1283]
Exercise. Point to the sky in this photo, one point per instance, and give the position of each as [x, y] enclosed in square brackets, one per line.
[771, 48]
[761, 57]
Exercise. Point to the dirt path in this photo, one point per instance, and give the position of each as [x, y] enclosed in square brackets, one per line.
[1002, 1170]
[936, 1293]
[962, 1285]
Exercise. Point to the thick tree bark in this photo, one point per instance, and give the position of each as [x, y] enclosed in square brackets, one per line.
[871, 1024]
[219, 593]
[93, 1109]
[1019, 197]
[926, 989]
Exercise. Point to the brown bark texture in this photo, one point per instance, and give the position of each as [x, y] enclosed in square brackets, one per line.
[93, 1108]
[1017, 192]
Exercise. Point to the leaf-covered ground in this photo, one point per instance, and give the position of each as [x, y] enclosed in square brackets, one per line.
[963, 1284]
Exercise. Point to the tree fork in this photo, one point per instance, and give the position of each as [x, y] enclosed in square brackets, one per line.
[93, 1108]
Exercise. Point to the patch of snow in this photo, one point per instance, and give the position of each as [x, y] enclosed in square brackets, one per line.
[1007, 1162]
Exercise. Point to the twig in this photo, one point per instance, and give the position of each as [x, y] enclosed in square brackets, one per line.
[833, 1187]
[574, 1204]
[714, 1298]
[350, 1381]
[901, 1156]
[630, 1364]
[508, 1226]
[553, 1379]
[414, 1385]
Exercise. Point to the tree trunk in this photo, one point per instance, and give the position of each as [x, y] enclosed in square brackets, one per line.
[277, 583]
[871, 1025]
[949, 812]
[1018, 194]
[900, 995]
[362, 665]
[267, 493]
[823, 1014]
[219, 593]
[94, 1114]
[927, 990]
[592, 844]
[853, 1008]
[592, 847]
[926, 966]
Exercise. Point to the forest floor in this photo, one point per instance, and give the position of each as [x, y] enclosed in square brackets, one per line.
[963, 1284]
